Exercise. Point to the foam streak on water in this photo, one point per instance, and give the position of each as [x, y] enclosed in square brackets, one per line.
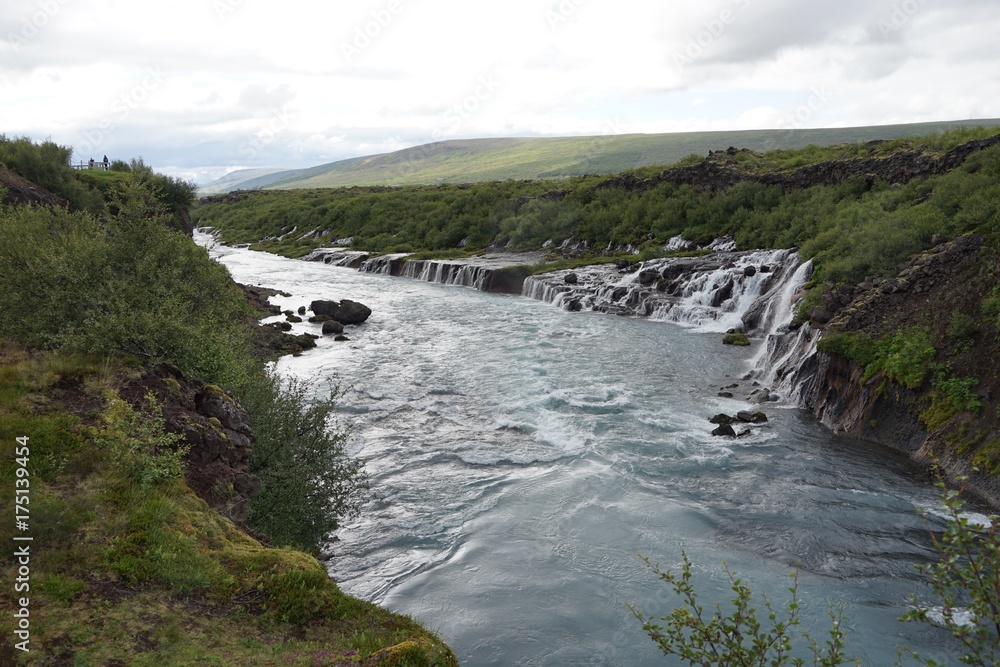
[524, 455]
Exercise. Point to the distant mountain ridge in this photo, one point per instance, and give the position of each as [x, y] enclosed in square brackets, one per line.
[521, 158]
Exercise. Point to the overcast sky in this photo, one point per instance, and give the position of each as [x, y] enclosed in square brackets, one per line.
[201, 87]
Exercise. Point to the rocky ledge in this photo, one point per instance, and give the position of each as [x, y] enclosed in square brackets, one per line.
[940, 292]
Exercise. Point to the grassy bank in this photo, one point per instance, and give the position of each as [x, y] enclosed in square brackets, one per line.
[113, 315]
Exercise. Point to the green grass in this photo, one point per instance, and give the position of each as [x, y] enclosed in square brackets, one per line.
[126, 572]
[480, 160]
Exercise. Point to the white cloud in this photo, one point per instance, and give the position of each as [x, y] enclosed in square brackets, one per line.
[249, 83]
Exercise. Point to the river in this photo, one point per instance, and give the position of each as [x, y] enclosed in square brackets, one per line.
[524, 457]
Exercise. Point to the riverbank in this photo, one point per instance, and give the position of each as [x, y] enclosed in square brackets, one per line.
[140, 444]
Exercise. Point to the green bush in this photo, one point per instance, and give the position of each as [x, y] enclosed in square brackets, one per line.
[735, 339]
[738, 637]
[308, 481]
[949, 397]
[122, 283]
[140, 450]
[905, 356]
[965, 585]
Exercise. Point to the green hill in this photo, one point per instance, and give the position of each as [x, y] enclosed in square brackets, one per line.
[479, 160]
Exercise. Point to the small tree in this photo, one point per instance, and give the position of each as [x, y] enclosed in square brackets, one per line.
[308, 481]
[738, 638]
[966, 581]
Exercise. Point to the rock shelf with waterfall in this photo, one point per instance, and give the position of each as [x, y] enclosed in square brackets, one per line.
[750, 291]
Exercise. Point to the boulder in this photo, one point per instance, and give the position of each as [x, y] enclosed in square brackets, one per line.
[342, 337]
[725, 430]
[725, 394]
[758, 396]
[333, 327]
[302, 310]
[750, 271]
[744, 433]
[293, 318]
[648, 276]
[735, 339]
[571, 279]
[751, 417]
[344, 311]
[722, 294]
[722, 418]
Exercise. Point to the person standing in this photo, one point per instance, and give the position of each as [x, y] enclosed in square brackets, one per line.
[107, 163]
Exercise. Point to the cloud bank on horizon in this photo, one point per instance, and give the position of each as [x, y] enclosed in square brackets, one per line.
[201, 87]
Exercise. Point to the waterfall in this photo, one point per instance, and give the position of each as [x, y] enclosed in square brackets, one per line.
[786, 361]
[389, 265]
[337, 257]
[750, 291]
[712, 293]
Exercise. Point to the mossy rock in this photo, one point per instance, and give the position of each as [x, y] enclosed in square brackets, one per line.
[735, 339]
[414, 653]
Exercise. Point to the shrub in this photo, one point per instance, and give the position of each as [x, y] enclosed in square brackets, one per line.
[140, 450]
[308, 481]
[949, 397]
[965, 583]
[125, 283]
[737, 637]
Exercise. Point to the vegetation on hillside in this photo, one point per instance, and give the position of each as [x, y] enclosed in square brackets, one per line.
[519, 158]
[853, 229]
[129, 567]
[93, 190]
[95, 298]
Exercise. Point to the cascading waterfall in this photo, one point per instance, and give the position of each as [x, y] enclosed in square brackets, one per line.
[785, 361]
[712, 293]
[750, 291]
[388, 265]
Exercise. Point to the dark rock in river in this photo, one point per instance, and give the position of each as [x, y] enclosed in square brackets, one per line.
[751, 417]
[648, 276]
[725, 430]
[302, 310]
[722, 418]
[344, 311]
[571, 279]
[333, 327]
